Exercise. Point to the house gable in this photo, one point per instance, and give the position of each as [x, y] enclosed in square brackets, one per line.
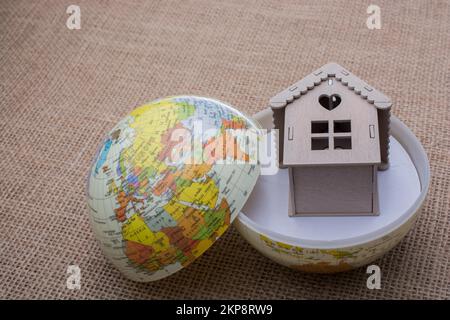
[361, 91]
[330, 125]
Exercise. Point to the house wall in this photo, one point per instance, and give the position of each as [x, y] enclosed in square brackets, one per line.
[365, 144]
[334, 190]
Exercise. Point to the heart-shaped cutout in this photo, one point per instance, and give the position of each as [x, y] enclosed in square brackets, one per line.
[330, 102]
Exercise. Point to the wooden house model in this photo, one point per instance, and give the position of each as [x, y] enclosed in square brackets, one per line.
[333, 137]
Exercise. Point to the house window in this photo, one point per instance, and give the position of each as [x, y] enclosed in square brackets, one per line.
[339, 138]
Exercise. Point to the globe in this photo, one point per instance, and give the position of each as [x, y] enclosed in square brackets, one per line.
[167, 181]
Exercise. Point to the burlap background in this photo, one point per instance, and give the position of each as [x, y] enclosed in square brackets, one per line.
[61, 90]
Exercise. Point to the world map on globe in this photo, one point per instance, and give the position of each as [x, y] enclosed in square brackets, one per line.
[154, 215]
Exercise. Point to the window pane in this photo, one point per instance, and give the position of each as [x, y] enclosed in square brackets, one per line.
[319, 143]
[342, 126]
[319, 126]
[343, 143]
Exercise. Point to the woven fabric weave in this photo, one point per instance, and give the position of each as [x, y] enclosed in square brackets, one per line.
[61, 90]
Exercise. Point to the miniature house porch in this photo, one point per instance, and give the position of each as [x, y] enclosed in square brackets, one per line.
[333, 132]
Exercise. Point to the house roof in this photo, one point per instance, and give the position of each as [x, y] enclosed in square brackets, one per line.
[373, 96]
